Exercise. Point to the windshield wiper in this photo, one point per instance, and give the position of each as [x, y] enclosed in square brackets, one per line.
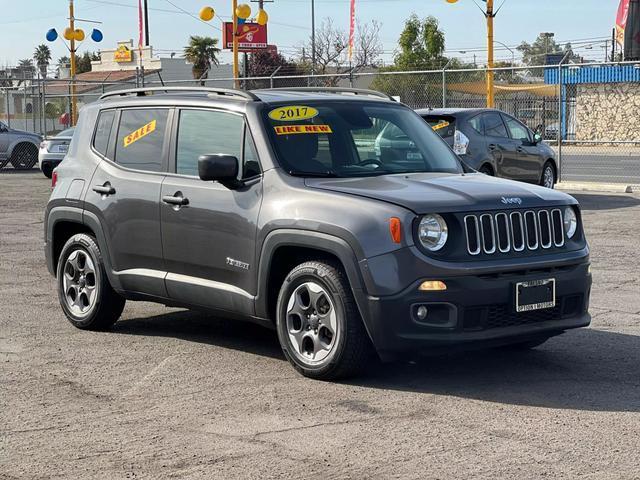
[325, 174]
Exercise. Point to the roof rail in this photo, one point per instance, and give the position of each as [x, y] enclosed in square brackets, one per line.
[142, 92]
[353, 91]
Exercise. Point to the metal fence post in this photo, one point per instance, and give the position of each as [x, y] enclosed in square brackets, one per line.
[8, 108]
[272, 75]
[444, 83]
[560, 116]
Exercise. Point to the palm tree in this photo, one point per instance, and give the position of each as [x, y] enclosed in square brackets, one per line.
[42, 55]
[26, 69]
[201, 52]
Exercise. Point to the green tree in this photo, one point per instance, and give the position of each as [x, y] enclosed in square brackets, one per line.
[534, 53]
[83, 63]
[201, 53]
[421, 45]
[42, 56]
[266, 63]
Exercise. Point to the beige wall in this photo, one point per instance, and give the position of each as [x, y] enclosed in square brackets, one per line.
[108, 64]
[608, 111]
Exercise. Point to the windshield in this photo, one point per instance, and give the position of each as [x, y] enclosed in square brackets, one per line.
[352, 139]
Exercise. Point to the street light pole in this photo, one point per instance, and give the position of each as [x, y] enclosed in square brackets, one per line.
[313, 37]
[146, 23]
[513, 57]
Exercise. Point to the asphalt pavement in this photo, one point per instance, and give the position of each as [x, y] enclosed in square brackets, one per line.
[176, 394]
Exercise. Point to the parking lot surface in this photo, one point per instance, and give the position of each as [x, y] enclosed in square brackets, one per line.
[176, 394]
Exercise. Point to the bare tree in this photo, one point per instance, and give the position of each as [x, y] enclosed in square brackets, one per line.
[332, 47]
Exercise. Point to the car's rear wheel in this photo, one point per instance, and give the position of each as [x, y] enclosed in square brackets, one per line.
[318, 323]
[47, 170]
[486, 169]
[548, 178]
[24, 156]
[85, 294]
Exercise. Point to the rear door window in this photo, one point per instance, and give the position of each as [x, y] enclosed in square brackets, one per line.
[517, 130]
[476, 124]
[445, 126]
[494, 126]
[140, 140]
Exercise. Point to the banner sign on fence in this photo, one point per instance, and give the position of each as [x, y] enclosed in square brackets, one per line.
[621, 21]
[251, 36]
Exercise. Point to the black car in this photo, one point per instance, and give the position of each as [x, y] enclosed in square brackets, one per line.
[495, 143]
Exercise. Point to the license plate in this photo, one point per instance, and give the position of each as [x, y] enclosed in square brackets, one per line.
[535, 295]
[63, 148]
[414, 156]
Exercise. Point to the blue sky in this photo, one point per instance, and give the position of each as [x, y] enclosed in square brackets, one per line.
[24, 23]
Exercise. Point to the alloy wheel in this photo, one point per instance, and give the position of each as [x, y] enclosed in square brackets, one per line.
[79, 283]
[312, 323]
[548, 178]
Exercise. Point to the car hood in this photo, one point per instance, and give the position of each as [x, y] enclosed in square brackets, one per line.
[444, 192]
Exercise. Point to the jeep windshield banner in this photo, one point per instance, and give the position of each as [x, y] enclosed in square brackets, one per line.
[296, 129]
[293, 113]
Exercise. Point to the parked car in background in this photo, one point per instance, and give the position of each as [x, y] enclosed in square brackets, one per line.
[18, 147]
[539, 119]
[495, 143]
[53, 150]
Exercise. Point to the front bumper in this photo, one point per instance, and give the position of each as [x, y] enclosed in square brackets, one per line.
[477, 311]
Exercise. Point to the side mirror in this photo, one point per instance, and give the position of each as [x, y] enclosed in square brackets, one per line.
[537, 138]
[221, 168]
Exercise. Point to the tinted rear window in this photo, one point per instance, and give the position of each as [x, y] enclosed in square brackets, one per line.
[141, 137]
[443, 125]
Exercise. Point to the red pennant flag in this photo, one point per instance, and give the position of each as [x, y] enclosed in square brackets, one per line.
[352, 26]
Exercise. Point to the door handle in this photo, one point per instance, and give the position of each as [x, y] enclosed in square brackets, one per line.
[520, 150]
[177, 200]
[105, 189]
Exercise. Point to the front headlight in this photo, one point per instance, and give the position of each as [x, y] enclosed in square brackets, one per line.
[570, 222]
[432, 232]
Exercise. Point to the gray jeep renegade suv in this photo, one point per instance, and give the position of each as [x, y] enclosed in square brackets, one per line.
[273, 206]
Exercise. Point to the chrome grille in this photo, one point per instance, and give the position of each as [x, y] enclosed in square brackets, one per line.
[513, 232]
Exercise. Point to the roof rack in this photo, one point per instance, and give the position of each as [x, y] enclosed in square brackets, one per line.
[352, 91]
[144, 91]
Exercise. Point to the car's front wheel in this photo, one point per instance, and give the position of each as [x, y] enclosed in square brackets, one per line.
[318, 323]
[85, 294]
[548, 178]
[47, 170]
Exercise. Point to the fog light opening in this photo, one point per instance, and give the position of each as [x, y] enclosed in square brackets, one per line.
[422, 312]
[432, 286]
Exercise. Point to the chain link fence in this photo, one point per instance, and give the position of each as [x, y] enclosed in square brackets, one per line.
[589, 113]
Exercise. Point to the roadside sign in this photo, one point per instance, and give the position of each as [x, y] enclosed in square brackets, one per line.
[251, 36]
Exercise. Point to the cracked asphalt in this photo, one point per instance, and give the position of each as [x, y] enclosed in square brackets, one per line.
[176, 394]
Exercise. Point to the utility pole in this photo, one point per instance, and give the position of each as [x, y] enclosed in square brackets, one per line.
[72, 50]
[490, 15]
[313, 37]
[146, 23]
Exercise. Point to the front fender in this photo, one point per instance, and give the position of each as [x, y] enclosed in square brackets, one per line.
[22, 139]
[319, 241]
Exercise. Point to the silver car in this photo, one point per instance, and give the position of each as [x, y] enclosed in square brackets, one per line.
[18, 148]
[53, 150]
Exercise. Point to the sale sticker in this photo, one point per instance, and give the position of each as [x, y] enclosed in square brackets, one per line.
[440, 125]
[139, 133]
[298, 129]
[292, 113]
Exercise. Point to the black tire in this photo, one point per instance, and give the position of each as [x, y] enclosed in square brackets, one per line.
[351, 348]
[105, 306]
[24, 156]
[548, 169]
[47, 170]
[521, 346]
[487, 170]
[3, 163]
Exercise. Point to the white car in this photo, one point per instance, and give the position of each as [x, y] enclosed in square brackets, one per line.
[53, 150]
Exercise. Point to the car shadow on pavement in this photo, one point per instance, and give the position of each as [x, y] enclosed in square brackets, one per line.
[199, 327]
[584, 369]
[605, 202]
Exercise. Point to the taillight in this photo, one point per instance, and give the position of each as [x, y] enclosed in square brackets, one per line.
[54, 179]
[460, 143]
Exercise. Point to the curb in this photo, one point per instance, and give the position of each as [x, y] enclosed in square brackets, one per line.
[598, 187]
